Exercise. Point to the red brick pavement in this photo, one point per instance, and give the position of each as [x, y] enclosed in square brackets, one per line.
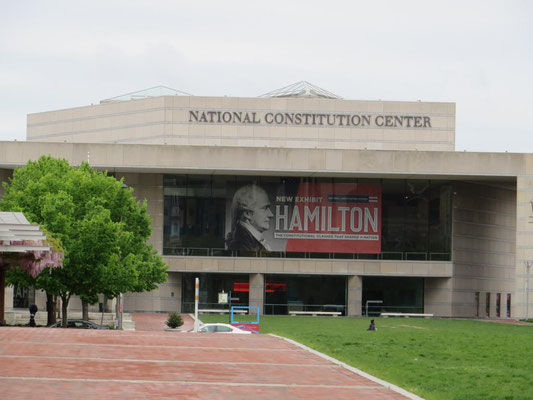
[157, 322]
[48, 363]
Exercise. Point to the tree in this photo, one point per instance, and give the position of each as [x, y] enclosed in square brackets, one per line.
[102, 229]
[25, 267]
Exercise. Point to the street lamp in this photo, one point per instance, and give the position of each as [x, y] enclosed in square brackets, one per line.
[120, 297]
[528, 269]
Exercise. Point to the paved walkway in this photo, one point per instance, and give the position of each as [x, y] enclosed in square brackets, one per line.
[157, 322]
[48, 363]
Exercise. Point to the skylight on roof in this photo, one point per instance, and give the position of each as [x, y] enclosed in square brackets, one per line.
[156, 91]
[302, 89]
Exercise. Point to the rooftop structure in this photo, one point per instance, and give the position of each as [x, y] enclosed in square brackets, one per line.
[302, 89]
[156, 91]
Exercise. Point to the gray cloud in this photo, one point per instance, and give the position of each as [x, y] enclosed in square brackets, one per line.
[61, 54]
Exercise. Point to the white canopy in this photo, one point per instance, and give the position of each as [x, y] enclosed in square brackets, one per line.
[14, 229]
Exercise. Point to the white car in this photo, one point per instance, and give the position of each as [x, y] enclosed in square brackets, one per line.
[221, 328]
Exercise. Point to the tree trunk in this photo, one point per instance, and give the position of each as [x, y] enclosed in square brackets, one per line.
[64, 305]
[50, 309]
[84, 310]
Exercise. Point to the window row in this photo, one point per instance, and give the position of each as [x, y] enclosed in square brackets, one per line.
[307, 217]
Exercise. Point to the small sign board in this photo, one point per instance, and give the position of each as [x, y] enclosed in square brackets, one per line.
[222, 298]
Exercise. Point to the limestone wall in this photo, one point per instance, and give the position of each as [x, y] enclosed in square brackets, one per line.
[262, 122]
[484, 241]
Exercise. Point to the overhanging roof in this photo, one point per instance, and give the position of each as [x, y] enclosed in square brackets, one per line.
[169, 159]
[16, 231]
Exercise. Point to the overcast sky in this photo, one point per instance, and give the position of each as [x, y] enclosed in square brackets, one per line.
[478, 54]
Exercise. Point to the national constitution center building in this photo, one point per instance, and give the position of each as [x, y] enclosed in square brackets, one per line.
[299, 200]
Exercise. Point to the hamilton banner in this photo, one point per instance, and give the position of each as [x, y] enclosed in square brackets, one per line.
[306, 217]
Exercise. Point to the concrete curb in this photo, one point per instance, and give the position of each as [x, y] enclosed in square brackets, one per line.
[381, 382]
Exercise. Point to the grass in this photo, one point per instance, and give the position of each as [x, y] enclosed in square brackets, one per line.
[434, 358]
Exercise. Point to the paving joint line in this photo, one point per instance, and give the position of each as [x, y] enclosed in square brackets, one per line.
[153, 346]
[134, 360]
[185, 382]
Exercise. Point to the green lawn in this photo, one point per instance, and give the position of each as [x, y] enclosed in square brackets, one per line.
[434, 358]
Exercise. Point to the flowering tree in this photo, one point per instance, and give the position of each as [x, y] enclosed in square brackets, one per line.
[30, 263]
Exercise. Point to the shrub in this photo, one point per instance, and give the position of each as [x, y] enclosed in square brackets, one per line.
[174, 320]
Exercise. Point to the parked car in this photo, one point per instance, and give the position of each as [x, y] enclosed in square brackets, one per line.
[79, 324]
[221, 328]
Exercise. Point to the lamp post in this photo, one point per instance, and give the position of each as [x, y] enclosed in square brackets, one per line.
[120, 309]
[120, 297]
[196, 301]
[528, 269]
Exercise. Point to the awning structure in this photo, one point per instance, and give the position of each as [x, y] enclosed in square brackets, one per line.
[16, 231]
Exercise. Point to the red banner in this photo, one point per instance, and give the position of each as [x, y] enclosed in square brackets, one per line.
[332, 218]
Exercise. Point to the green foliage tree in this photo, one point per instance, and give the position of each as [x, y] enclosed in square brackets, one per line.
[102, 229]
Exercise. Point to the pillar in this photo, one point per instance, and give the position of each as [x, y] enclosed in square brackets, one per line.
[257, 291]
[355, 295]
[438, 298]
[522, 297]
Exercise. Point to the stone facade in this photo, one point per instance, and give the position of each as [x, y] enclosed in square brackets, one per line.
[142, 140]
[273, 122]
[491, 216]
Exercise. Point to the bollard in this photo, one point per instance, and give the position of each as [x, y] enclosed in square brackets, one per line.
[33, 311]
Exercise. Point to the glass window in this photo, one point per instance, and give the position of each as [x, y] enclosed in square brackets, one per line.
[222, 328]
[284, 293]
[498, 300]
[20, 296]
[199, 221]
[440, 222]
[237, 285]
[487, 305]
[393, 220]
[398, 294]
[508, 305]
[416, 202]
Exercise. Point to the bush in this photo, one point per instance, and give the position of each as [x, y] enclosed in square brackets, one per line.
[174, 320]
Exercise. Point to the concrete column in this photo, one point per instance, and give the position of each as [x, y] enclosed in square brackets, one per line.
[355, 295]
[257, 291]
[438, 297]
[482, 304]
[522, 296]
[177, 290]
[149, 187]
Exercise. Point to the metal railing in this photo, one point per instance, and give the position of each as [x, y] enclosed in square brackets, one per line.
[284, 308]
[378, 308]
[385, 255]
